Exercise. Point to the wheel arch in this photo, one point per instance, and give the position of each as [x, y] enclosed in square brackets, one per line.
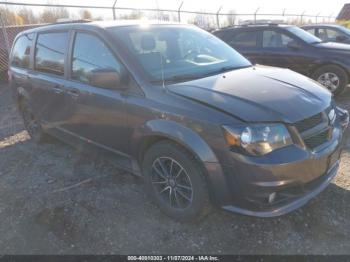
[329, 63]
[163, 129]
[160, 129]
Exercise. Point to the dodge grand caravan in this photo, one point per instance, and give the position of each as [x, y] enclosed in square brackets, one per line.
[178, 106]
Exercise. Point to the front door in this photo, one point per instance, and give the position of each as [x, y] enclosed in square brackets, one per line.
[97, 112]
[278, 52]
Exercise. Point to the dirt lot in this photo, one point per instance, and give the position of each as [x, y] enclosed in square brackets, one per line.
[56, 200]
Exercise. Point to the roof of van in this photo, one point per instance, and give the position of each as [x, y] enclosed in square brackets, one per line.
[322, 25]
[100, 24]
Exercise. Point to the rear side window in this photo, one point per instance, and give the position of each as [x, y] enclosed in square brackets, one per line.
[90, 55]
[50, 52]
[245, 39]
[273, 39]
[21, 51]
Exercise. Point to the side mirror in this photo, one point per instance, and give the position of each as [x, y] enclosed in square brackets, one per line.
[293, 45]
[340, 38]
[108, 78]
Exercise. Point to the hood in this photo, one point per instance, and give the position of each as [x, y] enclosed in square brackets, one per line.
[333, 46]
[258, 94]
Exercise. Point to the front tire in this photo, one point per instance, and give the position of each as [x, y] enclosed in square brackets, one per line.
[333, 77]
[176, 181]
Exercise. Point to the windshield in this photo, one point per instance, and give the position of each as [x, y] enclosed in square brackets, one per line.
[303, 35]
[178, 53]
[344, 30]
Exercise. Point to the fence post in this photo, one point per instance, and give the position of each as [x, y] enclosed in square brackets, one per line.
[217, 17]
[317, 17]
[179, 12]
[113, 9]
[255, 14]
[301, 18]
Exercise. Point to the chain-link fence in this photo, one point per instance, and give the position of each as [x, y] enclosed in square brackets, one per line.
[16, 17]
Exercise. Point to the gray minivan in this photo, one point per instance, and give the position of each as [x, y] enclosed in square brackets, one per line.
[179, 107]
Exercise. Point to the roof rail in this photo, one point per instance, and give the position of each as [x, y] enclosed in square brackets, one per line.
[69, 21]
[270, 24]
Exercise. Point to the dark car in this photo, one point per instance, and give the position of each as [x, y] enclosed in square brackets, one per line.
[179, 107]
[291, 47]
[329, 32]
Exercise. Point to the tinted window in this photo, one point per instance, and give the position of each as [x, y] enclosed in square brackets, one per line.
[91, 55]
[245, 39]
[273, 39]
[303, 35]
[329, 34]
[21, 51]
[50, 52]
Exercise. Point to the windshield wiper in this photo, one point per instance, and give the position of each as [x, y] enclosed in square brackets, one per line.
[225, 69]
[178, 78]
[230, 68]
[188, 77]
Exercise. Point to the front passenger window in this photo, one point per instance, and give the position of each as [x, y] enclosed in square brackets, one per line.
[332, 35]
[92, 56]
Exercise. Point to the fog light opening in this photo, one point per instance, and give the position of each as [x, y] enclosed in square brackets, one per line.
[272, 197]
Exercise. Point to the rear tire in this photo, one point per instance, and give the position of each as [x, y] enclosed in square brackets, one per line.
[180, 194]
[32, 124]
[333, 77]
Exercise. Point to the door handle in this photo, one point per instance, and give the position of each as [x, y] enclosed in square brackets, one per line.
[73, 92]
[57, 89]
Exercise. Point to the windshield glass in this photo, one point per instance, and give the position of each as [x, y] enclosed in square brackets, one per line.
[303, 35]
[344, 30]
[178, 53]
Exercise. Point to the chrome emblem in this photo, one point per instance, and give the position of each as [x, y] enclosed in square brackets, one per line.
[331, 116]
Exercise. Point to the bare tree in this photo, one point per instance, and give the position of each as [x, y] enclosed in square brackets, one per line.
[132, 15]
[50, 15]
[204, 21]
[28, 16]
[9, 17]
[160, 15]
[231, 17]
[85, 14]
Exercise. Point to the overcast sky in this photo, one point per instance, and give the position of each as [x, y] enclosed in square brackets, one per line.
[275, 6]
[311, 7]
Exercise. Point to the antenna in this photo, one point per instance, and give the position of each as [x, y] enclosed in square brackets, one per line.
[162, 70]
[161, 57]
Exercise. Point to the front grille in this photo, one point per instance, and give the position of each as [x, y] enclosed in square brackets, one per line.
[315, 130]
[316, 140]
[308, 123]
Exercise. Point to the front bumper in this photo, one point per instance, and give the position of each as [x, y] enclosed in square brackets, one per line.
[291, 203]
[292, 175]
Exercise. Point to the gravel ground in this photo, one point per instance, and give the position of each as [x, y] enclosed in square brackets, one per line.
[57, 200]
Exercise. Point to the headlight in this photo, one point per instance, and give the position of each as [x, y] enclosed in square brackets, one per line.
[257, 139]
